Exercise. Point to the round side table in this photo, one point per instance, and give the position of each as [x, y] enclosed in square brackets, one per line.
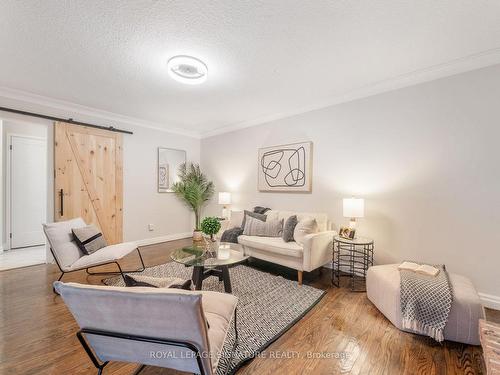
[352, 258]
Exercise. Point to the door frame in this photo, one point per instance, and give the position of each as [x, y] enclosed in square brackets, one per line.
[8, 182]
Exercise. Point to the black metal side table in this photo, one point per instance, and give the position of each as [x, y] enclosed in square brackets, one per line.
[352, 258]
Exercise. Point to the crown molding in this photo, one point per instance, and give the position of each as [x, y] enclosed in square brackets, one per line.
[76, 109]
[457, 66]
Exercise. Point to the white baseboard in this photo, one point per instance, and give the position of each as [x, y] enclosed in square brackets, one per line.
[490, 301]
[168, 237]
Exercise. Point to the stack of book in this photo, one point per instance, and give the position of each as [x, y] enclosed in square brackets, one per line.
[423, 269]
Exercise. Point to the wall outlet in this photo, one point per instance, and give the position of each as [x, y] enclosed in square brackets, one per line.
[151, 227]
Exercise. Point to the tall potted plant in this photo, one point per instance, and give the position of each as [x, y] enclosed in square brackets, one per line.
[194, 189]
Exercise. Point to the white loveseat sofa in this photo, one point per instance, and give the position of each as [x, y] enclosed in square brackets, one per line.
[315, 252]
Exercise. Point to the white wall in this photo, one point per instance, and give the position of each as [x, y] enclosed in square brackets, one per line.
[425, 159]
[142, 204]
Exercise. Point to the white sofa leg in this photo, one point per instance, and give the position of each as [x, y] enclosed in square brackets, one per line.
[299, 277]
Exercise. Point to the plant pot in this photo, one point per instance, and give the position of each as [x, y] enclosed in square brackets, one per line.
[197, 235]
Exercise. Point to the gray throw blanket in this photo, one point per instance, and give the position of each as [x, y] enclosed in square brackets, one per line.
[426, 302]
[231, 235]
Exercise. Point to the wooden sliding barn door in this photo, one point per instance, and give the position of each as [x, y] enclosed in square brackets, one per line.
[89, 177]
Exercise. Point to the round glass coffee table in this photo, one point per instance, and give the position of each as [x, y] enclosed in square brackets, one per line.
[206, 264]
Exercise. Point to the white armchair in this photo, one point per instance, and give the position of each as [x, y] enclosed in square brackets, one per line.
[69, 257]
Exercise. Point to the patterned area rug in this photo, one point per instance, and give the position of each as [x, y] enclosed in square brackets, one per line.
[268, 306]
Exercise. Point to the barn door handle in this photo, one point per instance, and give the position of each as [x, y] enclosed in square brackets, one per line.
[61, 196]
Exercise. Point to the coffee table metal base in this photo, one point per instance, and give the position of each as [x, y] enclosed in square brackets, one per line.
[200, 273]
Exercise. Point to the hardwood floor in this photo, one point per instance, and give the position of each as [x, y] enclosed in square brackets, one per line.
[343, 333]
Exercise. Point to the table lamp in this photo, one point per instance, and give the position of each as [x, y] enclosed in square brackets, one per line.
[353, 208]
[225, 200]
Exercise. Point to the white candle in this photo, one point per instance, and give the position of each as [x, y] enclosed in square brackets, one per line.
[224, 252]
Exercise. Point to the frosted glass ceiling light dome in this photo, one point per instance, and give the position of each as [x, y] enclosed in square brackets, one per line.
[187, 69]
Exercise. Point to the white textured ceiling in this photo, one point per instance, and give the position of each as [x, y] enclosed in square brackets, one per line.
[266, 59]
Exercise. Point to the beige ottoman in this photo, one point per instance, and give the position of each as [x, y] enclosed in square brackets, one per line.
[382, 289]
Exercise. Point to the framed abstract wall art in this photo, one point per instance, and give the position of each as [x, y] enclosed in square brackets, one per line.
[286, 168]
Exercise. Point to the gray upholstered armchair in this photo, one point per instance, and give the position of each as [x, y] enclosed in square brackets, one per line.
[172, 328]
[69, 257]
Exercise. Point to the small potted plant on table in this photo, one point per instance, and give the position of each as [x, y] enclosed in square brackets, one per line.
[211, 226]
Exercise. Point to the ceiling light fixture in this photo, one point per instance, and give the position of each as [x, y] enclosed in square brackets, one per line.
[187, 69]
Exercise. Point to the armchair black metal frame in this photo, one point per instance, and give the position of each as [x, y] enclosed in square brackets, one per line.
[181, 344]
[119, 272]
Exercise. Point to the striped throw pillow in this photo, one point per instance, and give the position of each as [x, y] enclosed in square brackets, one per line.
[255, 227]
[89, 239]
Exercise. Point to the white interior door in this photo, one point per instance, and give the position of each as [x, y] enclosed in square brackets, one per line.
[28, 190]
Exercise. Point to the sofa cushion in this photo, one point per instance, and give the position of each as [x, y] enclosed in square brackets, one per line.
[321, 218]
[61, 241]
[104, 255]
[303, 228]
[273, 245]
[219, 309]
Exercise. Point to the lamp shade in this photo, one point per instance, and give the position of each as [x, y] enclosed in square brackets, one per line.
[224, 197]
[354, 207]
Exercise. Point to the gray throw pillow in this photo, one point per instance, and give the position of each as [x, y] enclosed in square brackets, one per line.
[255, 215]
[231, 235]
[289, 227]
[89, 239]
[261, 210]
[255, 227]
